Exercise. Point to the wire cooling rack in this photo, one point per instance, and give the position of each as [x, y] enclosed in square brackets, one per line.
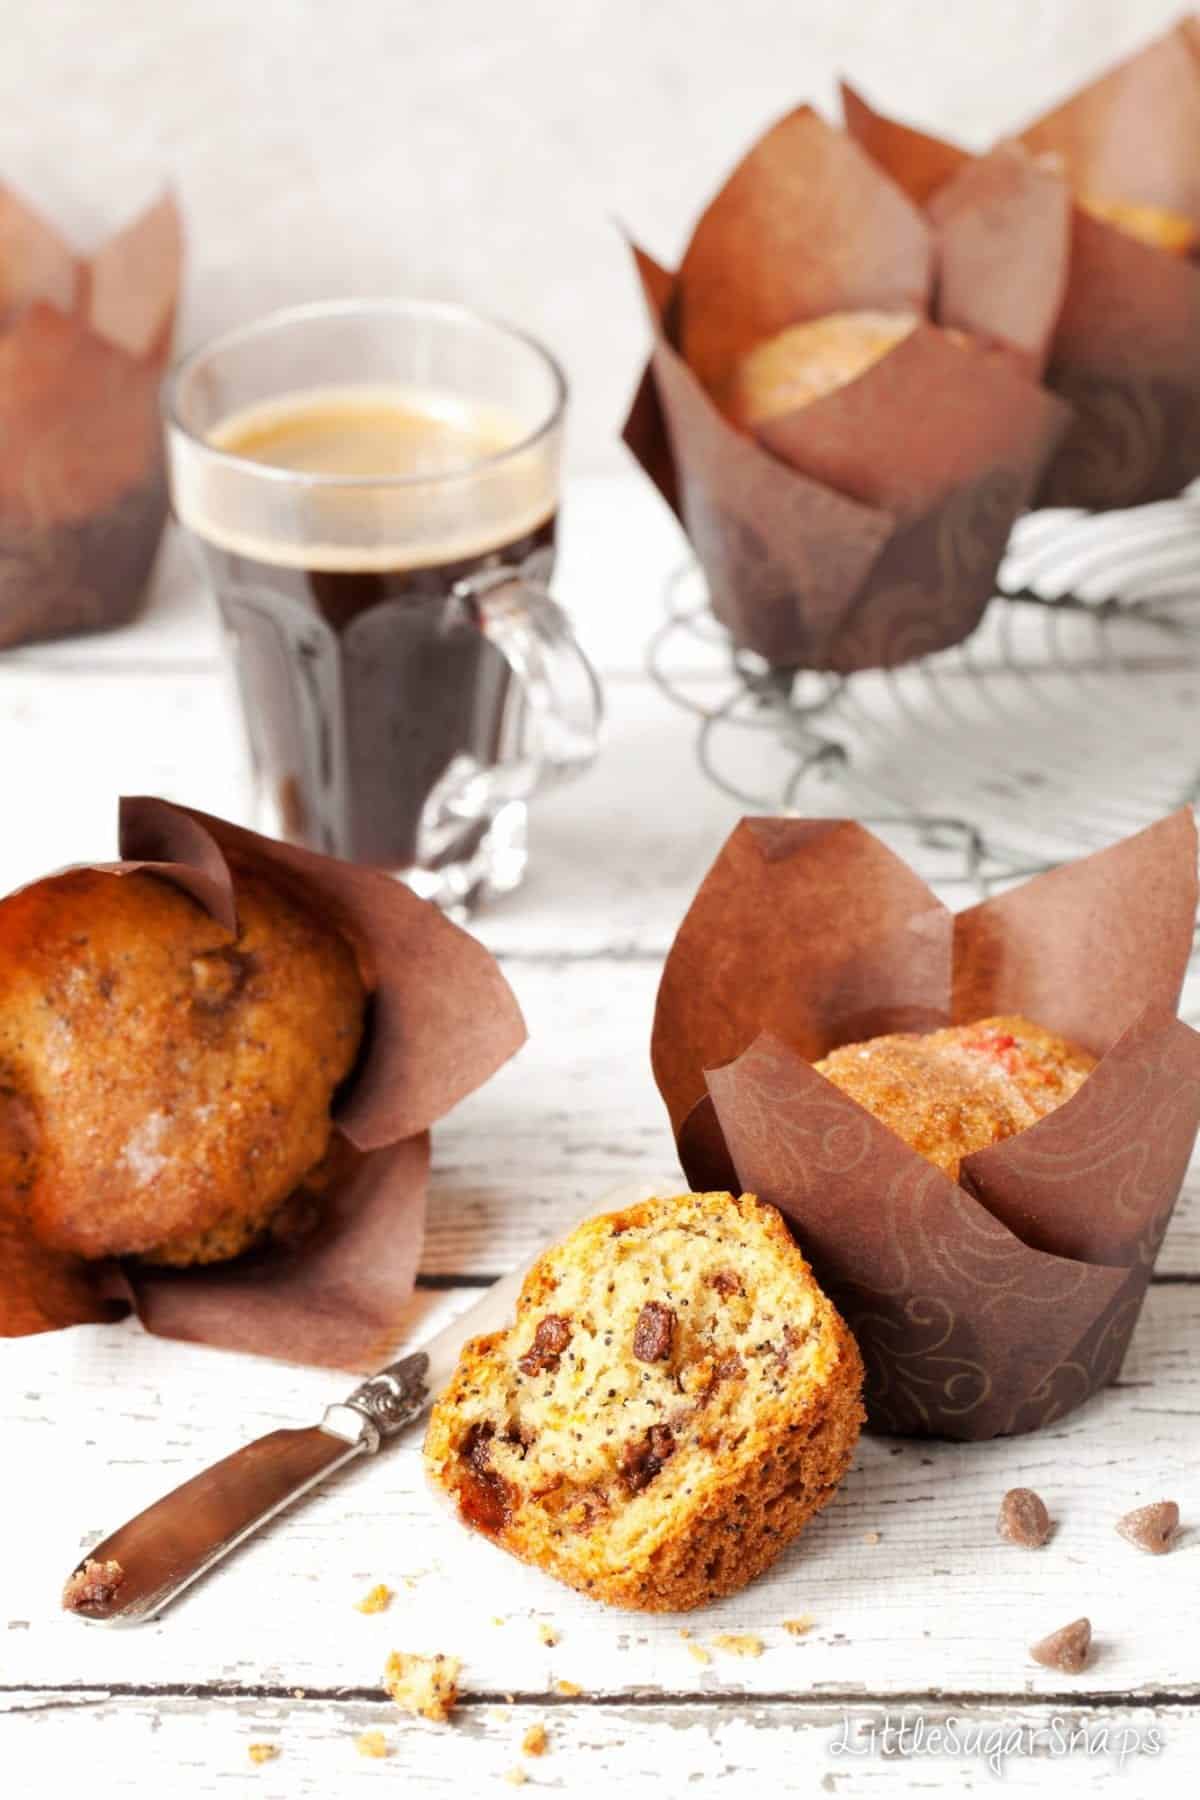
[1069, 719]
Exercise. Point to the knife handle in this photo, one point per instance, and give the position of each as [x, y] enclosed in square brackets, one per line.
[383, 1404]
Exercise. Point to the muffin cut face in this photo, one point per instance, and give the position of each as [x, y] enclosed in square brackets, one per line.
[954, 1091]
[175, 1085]
[674, 1401]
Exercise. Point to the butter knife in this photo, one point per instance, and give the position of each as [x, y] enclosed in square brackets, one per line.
[137, 1572]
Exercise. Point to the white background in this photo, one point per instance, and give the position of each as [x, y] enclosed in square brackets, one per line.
[479, 150]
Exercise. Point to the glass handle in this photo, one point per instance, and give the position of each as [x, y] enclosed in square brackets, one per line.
[564, 705]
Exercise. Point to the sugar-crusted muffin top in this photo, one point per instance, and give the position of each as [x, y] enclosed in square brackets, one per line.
[957, 1090]
[807, 361]
[174, 1083]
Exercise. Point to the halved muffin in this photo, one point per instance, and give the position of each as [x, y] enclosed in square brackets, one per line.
[673, 1403]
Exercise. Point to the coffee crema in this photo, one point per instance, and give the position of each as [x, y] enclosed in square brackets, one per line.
[363, 673]
[393, 478]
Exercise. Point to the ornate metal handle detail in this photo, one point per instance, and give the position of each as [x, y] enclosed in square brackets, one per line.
[382, 1405]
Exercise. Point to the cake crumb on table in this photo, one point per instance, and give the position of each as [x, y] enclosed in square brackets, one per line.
[425, 1686]
[372, 1743]
[516, 1777]
[739, 1643]
[499, 1715]
[376, 1601]
[699, 1653]
[870, 1537]
[261, 1753]
[535, 1742]
[798, 1627]
[547, 1634]
[299, 1693]
[568, 1689]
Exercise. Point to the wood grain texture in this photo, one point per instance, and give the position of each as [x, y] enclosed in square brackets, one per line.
[200, 1747]
[938, 1582]
[937, 1613]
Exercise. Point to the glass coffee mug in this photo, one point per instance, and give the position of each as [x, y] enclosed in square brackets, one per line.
[374, 487]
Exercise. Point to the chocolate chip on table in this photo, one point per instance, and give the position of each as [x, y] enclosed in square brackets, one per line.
[1151, 1528]
[551, 1338]
[1023, 1519]
[1066, 1649]
[653, 1332]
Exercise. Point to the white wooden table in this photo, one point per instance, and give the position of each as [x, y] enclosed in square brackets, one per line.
[919, 1612]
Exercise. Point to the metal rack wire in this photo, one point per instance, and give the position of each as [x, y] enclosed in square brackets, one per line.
[1069, 719]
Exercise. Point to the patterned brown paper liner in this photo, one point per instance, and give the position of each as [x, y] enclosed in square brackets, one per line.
[83, 345]
[1126, 348]
[826, 543]
[997, 1304]
[442, 1020]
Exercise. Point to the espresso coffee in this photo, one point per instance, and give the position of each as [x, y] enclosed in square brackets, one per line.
[365, 679]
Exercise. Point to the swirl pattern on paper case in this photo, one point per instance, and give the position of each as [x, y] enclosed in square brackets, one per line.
[1001, 1302]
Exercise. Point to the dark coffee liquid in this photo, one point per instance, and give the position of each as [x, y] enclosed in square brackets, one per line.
[364, 686]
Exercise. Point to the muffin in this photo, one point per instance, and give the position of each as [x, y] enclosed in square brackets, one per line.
[1153, 225]
[169, 1088]
[954, 1091]
[674, 1402]
[807, 361]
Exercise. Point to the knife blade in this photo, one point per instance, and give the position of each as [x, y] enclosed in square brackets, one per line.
[143, 1567]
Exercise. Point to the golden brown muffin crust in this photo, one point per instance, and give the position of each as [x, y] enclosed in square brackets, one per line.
[180, 1082]
[1155, 225]
[958, 1090]
[807, 361]
[694, 1401]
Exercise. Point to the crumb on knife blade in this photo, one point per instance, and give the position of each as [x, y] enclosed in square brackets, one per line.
[94, 1587]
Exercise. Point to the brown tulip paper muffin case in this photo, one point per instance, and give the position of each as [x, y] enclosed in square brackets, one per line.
[865, 528]
[83, 346]
[1126, 348]
[999, 1304]
[441, 1020]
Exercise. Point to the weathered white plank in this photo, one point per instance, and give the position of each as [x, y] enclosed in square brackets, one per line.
[198, 1747]
[106, 1419]
[615, 857]
[577, 1112]
[608, 872]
